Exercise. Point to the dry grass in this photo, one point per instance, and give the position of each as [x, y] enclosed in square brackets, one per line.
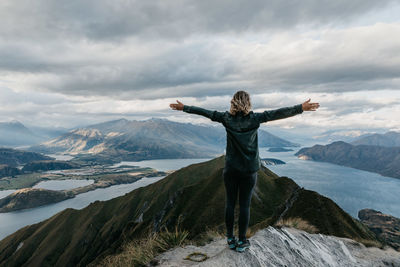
[369, 243]
[141, 252]
[209, 235]
[166, 239]
[298, 223]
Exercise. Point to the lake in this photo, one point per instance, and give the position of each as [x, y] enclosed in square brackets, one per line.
[161, 164]
[12, 221]
[60, 156]
[350, 188]
[4, 193]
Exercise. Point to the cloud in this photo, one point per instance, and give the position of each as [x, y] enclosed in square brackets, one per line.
[118, 19]
[350, 110]
[70, 62]
[334, 60]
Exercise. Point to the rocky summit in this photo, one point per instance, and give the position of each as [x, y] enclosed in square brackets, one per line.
[273, 247]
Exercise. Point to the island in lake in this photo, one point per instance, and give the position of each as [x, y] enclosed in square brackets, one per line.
[279, 149]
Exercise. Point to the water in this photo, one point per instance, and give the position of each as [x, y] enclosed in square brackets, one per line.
[12, 221]
[350, 188]
[4, 193]
[162, 164]
[63, 184]
[60, 156]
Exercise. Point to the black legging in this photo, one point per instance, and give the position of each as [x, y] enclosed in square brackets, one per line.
[244, 184]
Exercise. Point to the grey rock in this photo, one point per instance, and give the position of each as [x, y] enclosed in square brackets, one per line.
[285, 247]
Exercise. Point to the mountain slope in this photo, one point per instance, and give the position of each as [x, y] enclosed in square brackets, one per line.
[389, 139]
[150, 139]
[382, 160]
[15, 133]
[16, 157]
[196, 193]
[385, 226]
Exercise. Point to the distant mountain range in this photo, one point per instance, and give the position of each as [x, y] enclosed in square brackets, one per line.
[14, 133]
[151, 139]
[389, 139]
[379, 159]
[194, 195]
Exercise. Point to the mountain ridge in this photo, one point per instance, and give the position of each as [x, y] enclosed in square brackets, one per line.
[150, 139]
[194, 193]
[382, 160]
[17, 134]
[389, 139]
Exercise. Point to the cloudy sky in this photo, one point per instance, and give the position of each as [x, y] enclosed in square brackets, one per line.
[70, 63]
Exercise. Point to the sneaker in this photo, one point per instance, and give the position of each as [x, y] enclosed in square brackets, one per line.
[231, 242]
[242, 245]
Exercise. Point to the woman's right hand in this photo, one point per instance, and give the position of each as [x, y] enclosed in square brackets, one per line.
[178, 106]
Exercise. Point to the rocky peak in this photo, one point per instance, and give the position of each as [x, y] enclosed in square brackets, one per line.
[284, 247]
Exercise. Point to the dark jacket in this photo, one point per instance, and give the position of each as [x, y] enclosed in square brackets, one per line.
[241, 132]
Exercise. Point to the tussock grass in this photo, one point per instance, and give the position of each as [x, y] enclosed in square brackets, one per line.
[369, 243]
[135, 253]
[166, 239]
[209, 235]
[141, 252]
[298, 223]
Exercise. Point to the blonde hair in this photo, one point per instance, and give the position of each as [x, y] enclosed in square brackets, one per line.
[240, 102]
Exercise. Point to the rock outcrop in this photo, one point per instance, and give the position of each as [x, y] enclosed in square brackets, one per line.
[272, 247]
[386, 227]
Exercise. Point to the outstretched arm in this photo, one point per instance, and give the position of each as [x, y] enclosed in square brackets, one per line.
[282, 113]
[213, 115]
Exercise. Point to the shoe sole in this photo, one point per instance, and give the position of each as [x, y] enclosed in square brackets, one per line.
[241, 249]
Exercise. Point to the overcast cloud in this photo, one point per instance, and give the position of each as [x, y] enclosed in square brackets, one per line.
[69, 63]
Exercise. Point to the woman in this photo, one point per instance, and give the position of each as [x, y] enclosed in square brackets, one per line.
[242, 159]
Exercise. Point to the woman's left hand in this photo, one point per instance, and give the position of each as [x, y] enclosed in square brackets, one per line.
[307, 106]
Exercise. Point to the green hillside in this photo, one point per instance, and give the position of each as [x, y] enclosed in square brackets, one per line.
[78, 237]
